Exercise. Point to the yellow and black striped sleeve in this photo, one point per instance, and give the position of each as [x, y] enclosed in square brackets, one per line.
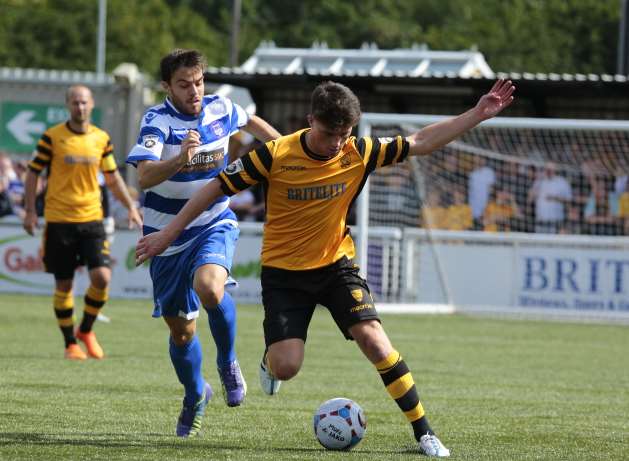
[108, 161]
[42, 155]
[380, 152]
[247, 171]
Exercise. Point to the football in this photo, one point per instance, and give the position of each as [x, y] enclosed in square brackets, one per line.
[339, 424]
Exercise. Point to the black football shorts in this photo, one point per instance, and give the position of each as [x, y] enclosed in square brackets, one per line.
[290, 297]
[70, 245]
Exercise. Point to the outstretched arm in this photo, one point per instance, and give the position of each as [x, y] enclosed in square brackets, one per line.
[155, 243]
[439, 134]
[260, 129]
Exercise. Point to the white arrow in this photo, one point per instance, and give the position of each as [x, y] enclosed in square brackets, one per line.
[21, 127]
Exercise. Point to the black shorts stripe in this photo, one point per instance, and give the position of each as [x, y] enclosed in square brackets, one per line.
[265, 157]
[409, 400]
[399, 370]
[92, 302]
[251, 169]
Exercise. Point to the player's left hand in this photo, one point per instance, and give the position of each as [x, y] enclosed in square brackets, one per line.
[135, 218]
[150, 245]
[499, 97]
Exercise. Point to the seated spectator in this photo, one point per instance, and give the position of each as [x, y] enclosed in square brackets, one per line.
[501, 211]
[433, 213]
[459, 214]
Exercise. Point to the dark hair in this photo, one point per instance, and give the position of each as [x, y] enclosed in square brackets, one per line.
[335, 105]
[180, 58]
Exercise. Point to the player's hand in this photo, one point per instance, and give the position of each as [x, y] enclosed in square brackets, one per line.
[499, 97]
[189, 145]
[135, 218]
[151, 245]
[30, 222]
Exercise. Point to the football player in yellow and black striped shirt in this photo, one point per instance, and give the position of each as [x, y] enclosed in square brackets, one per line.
[74, 153]
[311, 178]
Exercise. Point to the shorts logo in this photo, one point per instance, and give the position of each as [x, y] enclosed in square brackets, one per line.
[346, 160]
[385, 140]
[234, 167]
[357, 295]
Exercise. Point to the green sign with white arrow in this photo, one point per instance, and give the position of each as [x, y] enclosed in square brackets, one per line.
[21, 123]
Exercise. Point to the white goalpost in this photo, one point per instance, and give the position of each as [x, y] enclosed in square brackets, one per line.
[519, 216]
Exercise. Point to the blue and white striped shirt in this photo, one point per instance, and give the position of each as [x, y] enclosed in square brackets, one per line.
[162, 131]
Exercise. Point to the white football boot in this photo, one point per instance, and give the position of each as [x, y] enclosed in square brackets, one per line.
[269, 384]
[430, 445]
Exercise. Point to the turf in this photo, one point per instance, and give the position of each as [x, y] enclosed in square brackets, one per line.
[493, 389]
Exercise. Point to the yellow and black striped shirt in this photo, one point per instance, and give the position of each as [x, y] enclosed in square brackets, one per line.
[73, 161]
[307, 197]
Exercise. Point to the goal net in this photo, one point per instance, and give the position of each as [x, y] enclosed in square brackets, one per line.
[517, 215]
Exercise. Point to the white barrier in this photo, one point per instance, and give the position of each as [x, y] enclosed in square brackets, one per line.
[22, 271]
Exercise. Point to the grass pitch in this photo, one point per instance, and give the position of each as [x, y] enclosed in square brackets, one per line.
[493, 390]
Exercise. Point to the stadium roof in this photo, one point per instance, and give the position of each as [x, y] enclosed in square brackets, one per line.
[371, 62]
[368, 61]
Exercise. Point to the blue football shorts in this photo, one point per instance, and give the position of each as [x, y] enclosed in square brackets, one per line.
[173, 275]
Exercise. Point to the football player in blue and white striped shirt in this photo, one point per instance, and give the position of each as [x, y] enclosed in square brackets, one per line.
[183, 144]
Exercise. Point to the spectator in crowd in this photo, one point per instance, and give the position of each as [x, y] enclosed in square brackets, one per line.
[480, 181]
[395, 200]
[433, 214]
[623, 209]
[600, 211]
[550, 192]
[452, 175]
[458, 215]
[573, 224]
[517, 178]
[502, 211]
[11, 188]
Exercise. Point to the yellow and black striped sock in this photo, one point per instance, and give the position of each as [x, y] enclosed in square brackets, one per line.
[95, 299]
[400, 385]
[63, 302]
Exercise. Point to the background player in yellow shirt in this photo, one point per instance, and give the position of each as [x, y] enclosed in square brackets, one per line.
[311, 178]
[74, 152]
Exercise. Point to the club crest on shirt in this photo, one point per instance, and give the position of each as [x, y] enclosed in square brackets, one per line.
[357, 294]
[346, 160]
[235, 167]
[218, 129]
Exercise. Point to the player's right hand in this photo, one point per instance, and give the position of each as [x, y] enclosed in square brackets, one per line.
[189, 145]
[30, 222]
[151, 245]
